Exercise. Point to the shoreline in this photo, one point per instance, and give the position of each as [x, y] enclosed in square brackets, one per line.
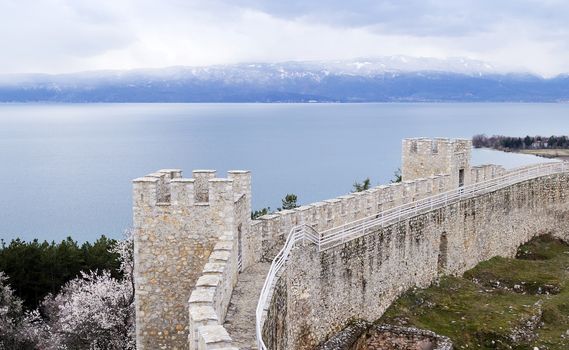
[561, 154]
[553, 153]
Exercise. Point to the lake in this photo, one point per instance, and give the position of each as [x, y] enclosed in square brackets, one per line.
[66, 169]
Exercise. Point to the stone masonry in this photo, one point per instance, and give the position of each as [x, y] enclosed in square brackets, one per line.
[422, 157]
[194, 237]
[177, 224]
[320, 292]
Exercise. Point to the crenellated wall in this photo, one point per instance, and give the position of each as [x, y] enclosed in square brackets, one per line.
[200, 228]
[423, 157]
[177, 224]
[319, 292]
[193, 236]
[486, 172]
[270, 231]
[210, 298]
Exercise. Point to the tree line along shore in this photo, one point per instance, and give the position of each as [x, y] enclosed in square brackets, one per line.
[543, 146]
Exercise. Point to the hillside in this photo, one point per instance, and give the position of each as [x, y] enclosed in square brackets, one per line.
[387, 79]
[502, 303]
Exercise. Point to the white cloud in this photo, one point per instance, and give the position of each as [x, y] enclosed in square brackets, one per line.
[56, 36]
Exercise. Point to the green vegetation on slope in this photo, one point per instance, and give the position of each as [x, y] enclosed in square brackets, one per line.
[36, 269]
[502, 303]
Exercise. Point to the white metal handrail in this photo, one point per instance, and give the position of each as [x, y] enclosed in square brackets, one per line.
[347, 232]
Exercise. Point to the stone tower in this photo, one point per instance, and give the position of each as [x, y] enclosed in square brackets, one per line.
[177, 222]
[424, 157]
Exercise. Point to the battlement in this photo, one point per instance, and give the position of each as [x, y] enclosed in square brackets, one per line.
[423, 157]
[437, 145]
[192, 236]
[167, 187]
[271, 230]
[177, 224]
[486, 172]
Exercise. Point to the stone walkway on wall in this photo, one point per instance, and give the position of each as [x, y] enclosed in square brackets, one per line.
[240, 319]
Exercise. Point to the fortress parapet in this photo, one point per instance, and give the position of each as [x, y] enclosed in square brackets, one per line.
[192, 236]
[177, 223]
[270, 231]
[486, 172]
[424, 157]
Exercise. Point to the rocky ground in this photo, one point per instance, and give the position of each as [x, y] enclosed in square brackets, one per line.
[520, 303]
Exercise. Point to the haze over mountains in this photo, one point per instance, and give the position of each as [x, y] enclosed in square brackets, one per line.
[387, 79]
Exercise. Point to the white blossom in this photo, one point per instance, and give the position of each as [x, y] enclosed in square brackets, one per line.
[91, 312]
[94, 311]
[14, 323]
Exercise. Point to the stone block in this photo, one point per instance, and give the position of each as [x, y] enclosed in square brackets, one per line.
[202, 295]
[209, 281]
[214, 268]
[223, 245]
[220, 256]
[213, 337]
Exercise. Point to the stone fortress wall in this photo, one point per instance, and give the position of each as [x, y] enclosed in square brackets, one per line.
[419, 181]
[180, 225]
[318, 293]
[209, 301]
[193, 236]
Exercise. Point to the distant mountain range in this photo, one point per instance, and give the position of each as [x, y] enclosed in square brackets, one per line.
[387, 79]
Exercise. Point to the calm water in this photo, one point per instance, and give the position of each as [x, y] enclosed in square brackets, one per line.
[66, 169]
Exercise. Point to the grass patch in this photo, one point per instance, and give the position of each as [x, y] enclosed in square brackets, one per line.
[547, 153]
[502, 303]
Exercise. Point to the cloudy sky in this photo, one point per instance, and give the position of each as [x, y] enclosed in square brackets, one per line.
[55, 36]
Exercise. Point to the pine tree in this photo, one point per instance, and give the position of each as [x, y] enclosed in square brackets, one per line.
[289, 202]
[364, 185]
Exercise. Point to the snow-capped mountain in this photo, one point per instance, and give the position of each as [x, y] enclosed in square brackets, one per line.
[397, 78]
